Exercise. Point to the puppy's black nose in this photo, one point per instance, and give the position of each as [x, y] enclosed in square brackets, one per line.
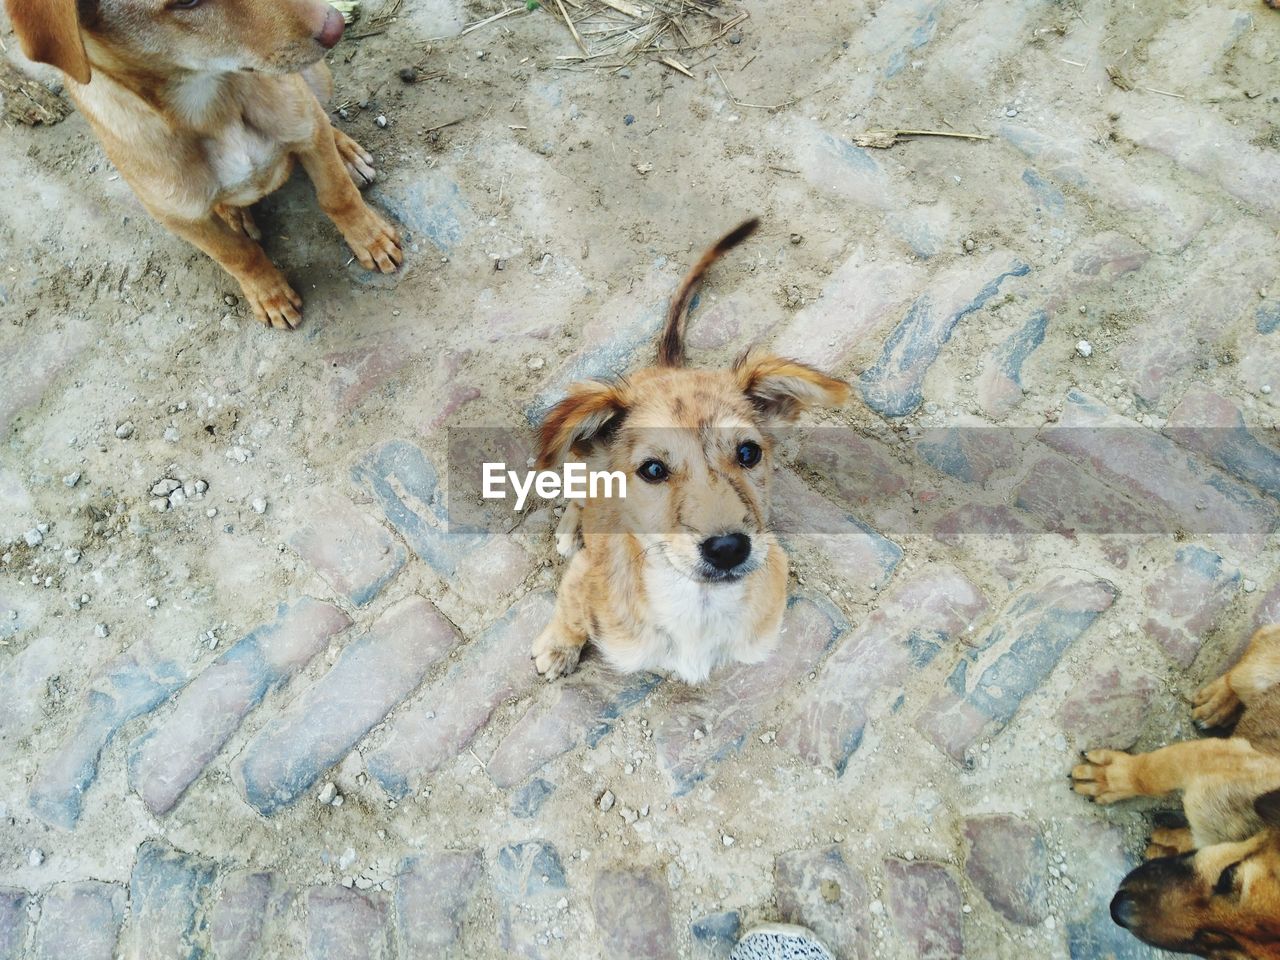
[726, 552]
[1123, 909]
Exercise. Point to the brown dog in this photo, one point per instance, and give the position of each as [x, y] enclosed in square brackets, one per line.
[682, 574]
[1212, 889]
[203, 105]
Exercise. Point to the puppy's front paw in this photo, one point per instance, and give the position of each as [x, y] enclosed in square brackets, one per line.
[1169, 842]
[358, 160]
[1106, 777]
[375, 242]
[274, 302]
[553, 656]
[1216, 705]
[239, 219]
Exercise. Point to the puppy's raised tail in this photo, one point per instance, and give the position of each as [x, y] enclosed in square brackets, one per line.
[671, 344]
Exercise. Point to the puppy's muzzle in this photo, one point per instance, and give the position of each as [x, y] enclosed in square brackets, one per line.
[331, 31]
[727, 552]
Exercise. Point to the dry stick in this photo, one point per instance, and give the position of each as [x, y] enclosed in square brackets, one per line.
[572, 29]
[441, 126]
[488, 20]
[935, 133]
[631, 10]
[677, 65]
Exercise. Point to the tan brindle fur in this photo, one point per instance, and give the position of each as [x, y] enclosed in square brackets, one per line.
[635, 587]
[204, 111]
[1214, 888]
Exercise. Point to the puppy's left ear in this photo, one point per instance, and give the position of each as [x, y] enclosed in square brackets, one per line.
[49, 31]
[1268, 808]
[588, 415]
[780, 388]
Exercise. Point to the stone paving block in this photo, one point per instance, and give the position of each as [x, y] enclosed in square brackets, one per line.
[529, 880]
[892, 386]
[861, 296]
[25, 678]
[168, 759]
[530, 798]
[343, 924]
[1007, 862]
[921, 618]
[374, 673]
[1209, 146]
[1068, 156]
[237, 916]
[431, 206]
[1068, 499]
[863, 470]
[432, 893]
[79, 921]
[407, 487]
[1000, 385]
[167, 894]
[13, 923]
[1214, 426]
[1108, 707]
[1218, 290]
[1144, 464]
[1186, 598]
[726, 711]
[632, 910]
[1030, 635]
[134, 683]
[835, 166]
[853, 551]
[441, 722]
[816, 889]
[715, 935]
[925, 904]
[579, 709]
[32, 359]
[1098, 861]
[349, 549]
[969, 453]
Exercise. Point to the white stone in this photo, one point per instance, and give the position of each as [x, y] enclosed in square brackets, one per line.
[33, 537]
[35, 857]
[102, 630]
[1084, 348]
[259, 505]
[328, 792]
[605, 803]
[71, 479]
[125, 430]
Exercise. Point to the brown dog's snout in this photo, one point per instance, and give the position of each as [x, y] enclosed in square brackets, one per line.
[331, 30]
[727, 551]
[1124, 908]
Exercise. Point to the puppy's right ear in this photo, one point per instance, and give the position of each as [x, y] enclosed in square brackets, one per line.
[49, 31]
[1268, 807]
[589, 413]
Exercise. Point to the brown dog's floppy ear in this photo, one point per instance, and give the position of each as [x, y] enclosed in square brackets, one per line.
[781, 388]
[49, 31]
[1268, 807]
[590, 412]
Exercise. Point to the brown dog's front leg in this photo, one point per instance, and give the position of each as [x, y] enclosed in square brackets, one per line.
[274, 302]
[375, 242]
[557, 649]
[1110, 775]
[1218, 704]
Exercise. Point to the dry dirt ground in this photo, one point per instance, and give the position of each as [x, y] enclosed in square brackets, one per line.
[864, 783]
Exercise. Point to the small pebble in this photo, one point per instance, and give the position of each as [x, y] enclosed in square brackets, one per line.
[102, 630]
[259, 505]
[71, 479]
[152, 603]
[727, 840]
[165, 487]
[328, 792]
[177, 498]
[35, 857]
[969, 245]
[71, 555]
[1011, 112]
[605, 803]
[409, 74]
[1266, 388]
[201, 486]
[171, 434]
[33, 537]
[1084, 348]
[230, 300]
[629, 119]
[1250, 586]
[124, 431]
[381, 120]
[735, 37]
[160, 504]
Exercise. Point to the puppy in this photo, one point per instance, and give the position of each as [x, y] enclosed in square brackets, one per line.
[682, 574]
[1213, 888]
[203, 106]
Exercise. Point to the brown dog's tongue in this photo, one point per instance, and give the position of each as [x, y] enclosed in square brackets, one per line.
[331, 32]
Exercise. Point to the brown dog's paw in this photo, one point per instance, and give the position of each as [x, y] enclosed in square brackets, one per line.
[274, 302]
[1216, 705]
[1106, 777]
[239, 219]
[1169, 842]
[375, 242]
[358, 160]
[553, 657]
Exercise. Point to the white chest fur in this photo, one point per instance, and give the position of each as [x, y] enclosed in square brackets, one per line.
[692, 628]
[239, 156]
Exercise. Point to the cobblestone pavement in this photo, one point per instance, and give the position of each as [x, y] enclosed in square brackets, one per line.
[271, 708]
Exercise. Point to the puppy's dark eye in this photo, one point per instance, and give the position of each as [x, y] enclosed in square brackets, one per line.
[184, 4]
[1226, 884]
[749, 453]
[653, 471]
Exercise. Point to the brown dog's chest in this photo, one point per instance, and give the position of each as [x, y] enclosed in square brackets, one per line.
[245, 163]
